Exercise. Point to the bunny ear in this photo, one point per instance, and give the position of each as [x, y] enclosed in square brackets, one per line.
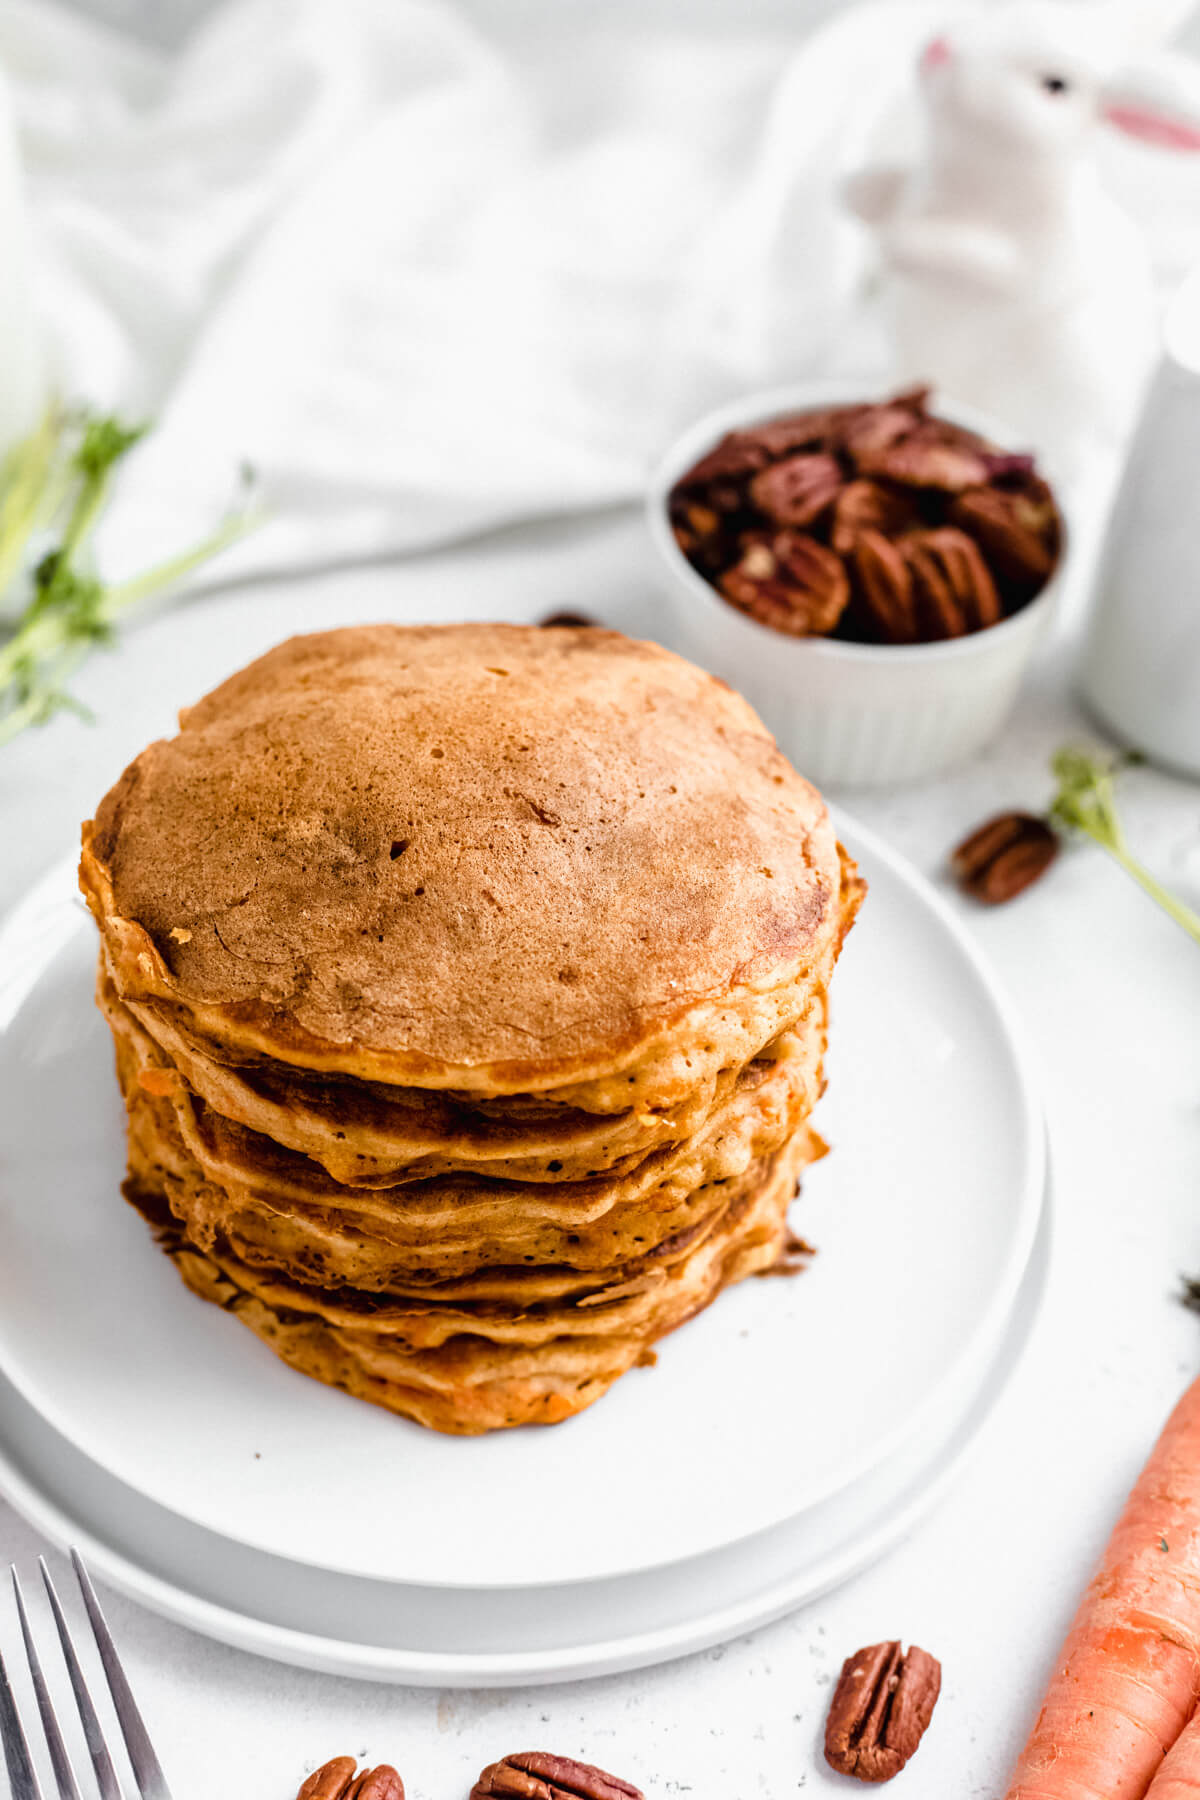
[1156, 99]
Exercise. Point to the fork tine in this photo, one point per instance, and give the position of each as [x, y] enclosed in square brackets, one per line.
[22, 1778]
[150, 1780]
[64, 1774]
[106, 1776]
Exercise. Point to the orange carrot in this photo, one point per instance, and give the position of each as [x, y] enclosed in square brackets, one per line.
[1128, 1677]
[1178, 1777]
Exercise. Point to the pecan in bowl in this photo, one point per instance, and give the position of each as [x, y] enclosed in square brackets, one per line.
[874, 575]
[872, 523]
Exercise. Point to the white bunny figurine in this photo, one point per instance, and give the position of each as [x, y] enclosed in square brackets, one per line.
[1013, 281]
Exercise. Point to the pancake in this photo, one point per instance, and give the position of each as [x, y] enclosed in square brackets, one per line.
[468, 1371]
[454, 1225]
[469, 990]
[369, 1135]
[481, 858]
[337, 1247]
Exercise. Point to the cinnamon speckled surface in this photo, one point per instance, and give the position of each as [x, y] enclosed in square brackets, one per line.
[1109, 993]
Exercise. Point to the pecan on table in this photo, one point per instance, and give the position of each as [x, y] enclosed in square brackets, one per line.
[536, 1775]
[881, 1707]
[1004, 857]
[340, 1780]
[382, 1783]
[330, 1781]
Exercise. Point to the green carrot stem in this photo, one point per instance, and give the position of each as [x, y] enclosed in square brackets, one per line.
[1174, 909]
[48, 632]
[66, 466]
[1086, 802]
[40, 637]
[34, 486]
[167, 574]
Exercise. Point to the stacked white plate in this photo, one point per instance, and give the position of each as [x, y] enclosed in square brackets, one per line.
[786, 1437]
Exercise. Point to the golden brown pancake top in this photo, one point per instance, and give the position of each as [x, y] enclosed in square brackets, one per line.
[483, 848]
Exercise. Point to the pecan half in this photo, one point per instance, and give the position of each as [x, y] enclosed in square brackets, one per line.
[819, 428]
[797, 490]
[1004, 857]
[536, 1775]
[881, 1706]
[1017, 530]
[952, 587]
[869, 506]
[337, 1780]
[883, 589]
[877, 431]
[938, 612]
[924, 459]
[382, 1783]
[791, 583]
[330, 1781]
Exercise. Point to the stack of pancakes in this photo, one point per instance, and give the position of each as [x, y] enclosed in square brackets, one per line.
[468, 986]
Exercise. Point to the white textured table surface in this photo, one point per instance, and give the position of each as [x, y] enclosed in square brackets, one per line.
[1110, 994]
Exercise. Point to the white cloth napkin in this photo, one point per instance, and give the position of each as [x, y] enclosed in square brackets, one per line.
[427, 290]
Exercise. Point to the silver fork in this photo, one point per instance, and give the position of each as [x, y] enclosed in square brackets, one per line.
[22, 1775]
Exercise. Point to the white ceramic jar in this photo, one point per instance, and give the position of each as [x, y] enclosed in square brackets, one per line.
[846, 714]
[1141, 666]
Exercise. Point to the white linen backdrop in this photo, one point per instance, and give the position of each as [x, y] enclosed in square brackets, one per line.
[427, 287]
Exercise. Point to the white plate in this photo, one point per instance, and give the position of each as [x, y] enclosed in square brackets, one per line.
[440, 1636]
[782, 1395]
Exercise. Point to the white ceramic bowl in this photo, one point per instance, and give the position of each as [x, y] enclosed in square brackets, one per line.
[846, 714]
